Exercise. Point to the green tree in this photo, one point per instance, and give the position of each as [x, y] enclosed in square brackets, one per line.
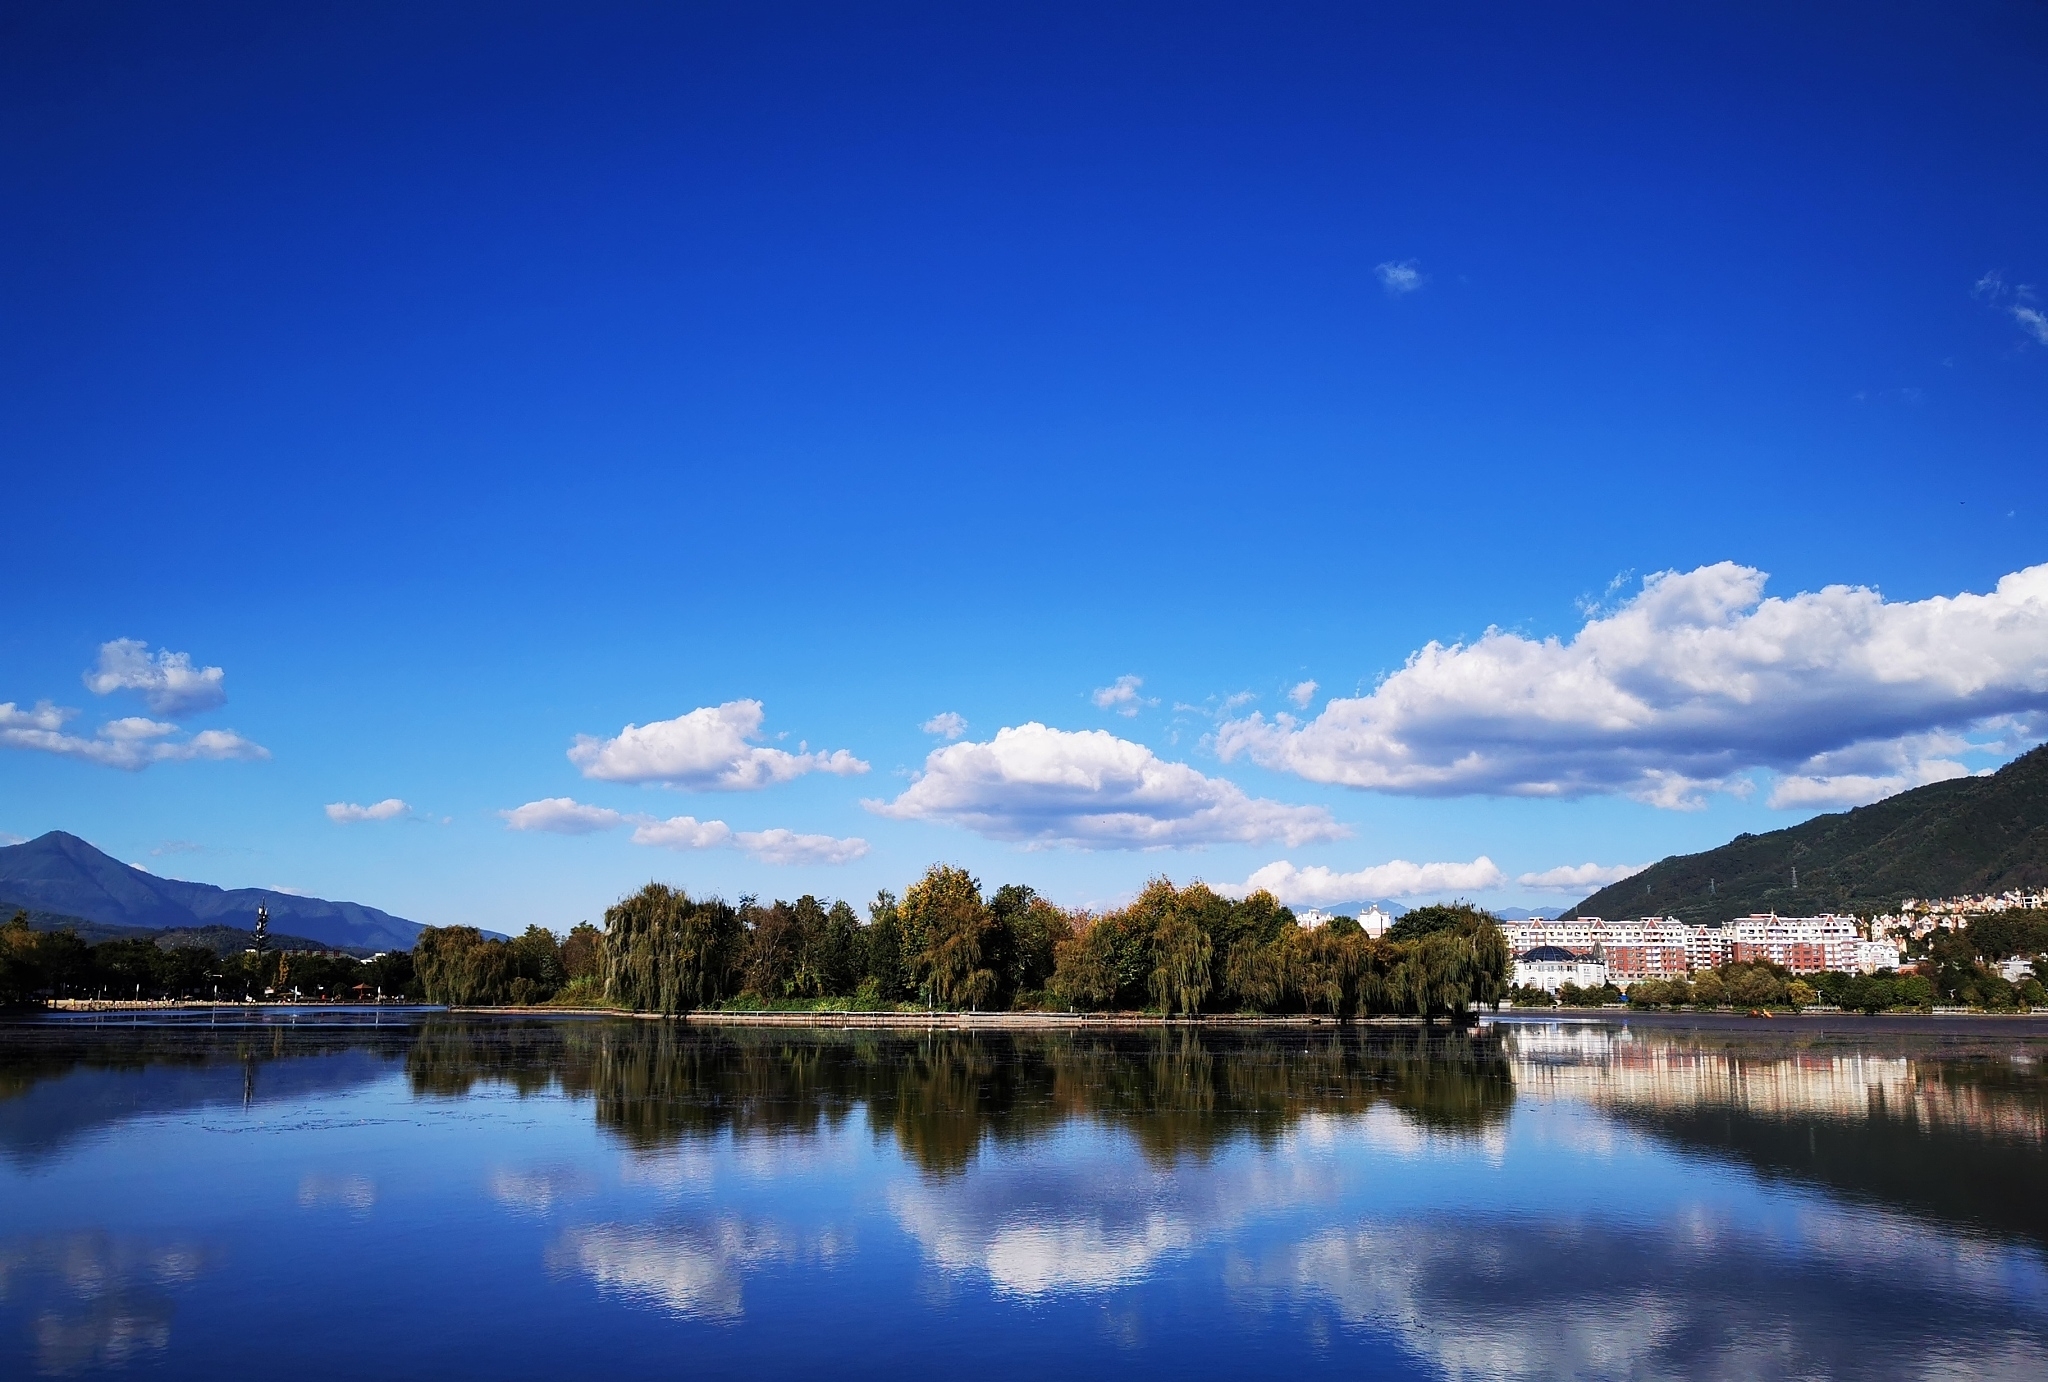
[946, 926]
[665, 952]
[1180, 971]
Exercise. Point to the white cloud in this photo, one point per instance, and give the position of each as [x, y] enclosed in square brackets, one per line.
[130, 743]
[1302, 694]
[2032, 322]
[1122, 696]
[1318, 886]
[136, 728]
[705, 750]
[1091, 789]
[1579, 878]
[567, 816]
[787, 847]
[1694, 682]
[562, 816]
[947, 725]
[345, 812]
[1400, 277]
[1863, 773]
[682, 832]
[169, 683]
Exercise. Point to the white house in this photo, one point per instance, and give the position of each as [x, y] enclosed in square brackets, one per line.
[1550, 967]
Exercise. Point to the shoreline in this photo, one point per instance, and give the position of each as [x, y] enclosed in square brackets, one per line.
[1030, 1021]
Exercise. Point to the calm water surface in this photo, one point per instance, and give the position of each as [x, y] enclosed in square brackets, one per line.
[413, 1195]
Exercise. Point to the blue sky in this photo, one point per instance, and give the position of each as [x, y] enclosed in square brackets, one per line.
[462, 380]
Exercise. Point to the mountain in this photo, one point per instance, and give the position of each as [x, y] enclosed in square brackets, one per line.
[1970, 835]
[221, 940]
[63, 874]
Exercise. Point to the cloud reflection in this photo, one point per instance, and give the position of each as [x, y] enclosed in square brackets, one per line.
[1826, 1294]
[356, 1194]
[537, 1190]
[1093, 1215]
[692, 1270]
[98, 1300]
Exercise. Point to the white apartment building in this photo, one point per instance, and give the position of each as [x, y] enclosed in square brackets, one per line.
[1659, 947]
[1372, 920]
[1804, 945]
[1647, 948]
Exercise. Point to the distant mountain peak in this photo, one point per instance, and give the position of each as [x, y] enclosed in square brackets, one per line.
[61, 873]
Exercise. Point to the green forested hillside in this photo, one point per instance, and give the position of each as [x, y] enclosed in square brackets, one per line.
[1972, 835]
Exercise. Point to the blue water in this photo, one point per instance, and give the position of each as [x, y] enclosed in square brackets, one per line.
[321, 1194]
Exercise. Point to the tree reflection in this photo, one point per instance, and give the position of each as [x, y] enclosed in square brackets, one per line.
[942, 1096]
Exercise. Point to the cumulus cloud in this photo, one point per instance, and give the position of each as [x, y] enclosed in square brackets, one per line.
[1683, 689]
[1317, 886]
[1579, 878]
[788, 847]
[1400, 277]
[561, 816]
[1091, 789]
[131, 743]
[947, 725]
[169, 683]
[1303, 693]
[1865, 773]
[1121, 696]
[706, 750]
[567, 816]
[347, 812]
[682, 833]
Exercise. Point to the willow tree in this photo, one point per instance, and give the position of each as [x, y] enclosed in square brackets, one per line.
[946, 927]
[1180, 971]
[665, 952]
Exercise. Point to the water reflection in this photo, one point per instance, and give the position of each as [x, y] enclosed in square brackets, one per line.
[945, 1097]
[97, 1300]
[1954, 1131]
[1698, 1296]
[692, 1270]
[1518, 1201]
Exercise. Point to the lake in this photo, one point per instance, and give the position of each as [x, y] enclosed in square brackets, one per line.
[329, 1193]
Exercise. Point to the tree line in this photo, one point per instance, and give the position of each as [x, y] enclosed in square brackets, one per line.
[37, 965]
[944, 944]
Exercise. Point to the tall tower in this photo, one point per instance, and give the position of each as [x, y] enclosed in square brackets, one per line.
[262, 930]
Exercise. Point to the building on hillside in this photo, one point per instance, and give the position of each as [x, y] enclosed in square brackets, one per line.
[1804, 945]
[1551, 967]
[1647, 948]
[1312, 918]
[1706, 947]
[2016, 969]
[1871, 956]
[1374, 922]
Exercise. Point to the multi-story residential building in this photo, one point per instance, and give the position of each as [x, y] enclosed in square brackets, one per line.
[1647, 948]
[1871, 956]
[1706, 947]
[1804, 945]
